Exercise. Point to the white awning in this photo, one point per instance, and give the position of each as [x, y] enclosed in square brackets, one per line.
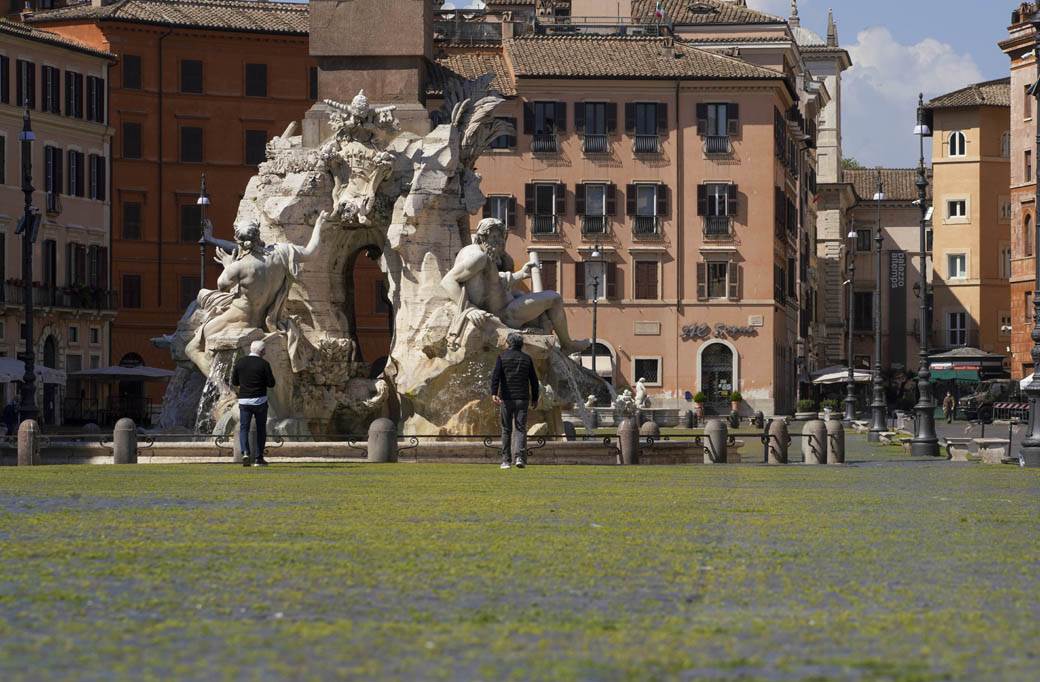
[120, 373]
[839, 375]
[13, 369]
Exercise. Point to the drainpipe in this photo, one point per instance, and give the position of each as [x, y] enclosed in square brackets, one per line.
[680, 258]
[159, 199]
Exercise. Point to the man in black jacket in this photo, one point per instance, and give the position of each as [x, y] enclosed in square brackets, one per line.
[252, 375]
[514, 384]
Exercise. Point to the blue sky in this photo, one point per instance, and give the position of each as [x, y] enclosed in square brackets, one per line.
[900, 48]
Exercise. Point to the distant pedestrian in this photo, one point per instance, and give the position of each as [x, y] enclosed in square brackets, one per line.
[252, 375]
[514, 384]
[11, 416]
[949, 405]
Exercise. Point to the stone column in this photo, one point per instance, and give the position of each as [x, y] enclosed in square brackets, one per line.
[716, 435]
[382, 441]
[124, 442]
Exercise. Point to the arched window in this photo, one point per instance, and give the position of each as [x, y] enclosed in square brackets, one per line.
[957, 144]
[131, 360]
[1005, 145]
[1027, 235]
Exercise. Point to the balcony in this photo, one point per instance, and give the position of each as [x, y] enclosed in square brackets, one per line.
[593, 225]
[718, 227]
[595, 144]
[69, 298]
[544, 225]
[717, 144]
[646, 227]
[53, 203]
[648, 144]
[545, 143]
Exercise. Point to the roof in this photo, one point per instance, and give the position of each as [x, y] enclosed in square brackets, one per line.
[687, 12]
[40, 36]
[469, 66]
[624, 57]
[964, 353]
[252, 16]
[806, 37]
[900, 184]
[995, 93]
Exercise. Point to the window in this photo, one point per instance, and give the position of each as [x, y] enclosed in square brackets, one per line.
[77, 173]
[1005, 210]
[98, 174]
[25, 82]
[53, 159]
[505, 141]
[863, 311]
[501, 207]
[189, 290]
[1005, 262]
[1005, 145]
[717, 202]
[191, 222]
[131, 140]
[191, 76]
[131, 71]
[95, 332]
[646, 280]
[595, 120]
[74, 94]
[1029, 165]
[1005, 324]
[191, 144]
[957, 329]
[95, 99]
[718, 276]
[863, 238]
[957, 208]
[957, 265]
[646, 203]
[73, 334]
[50, 263]
[1027, 236]
[256, 80]
[1027, 102]
[648, 369]
[50, 81]
[956, 144]
[131, 220]
[5, 79]
[131, 294]
[647, 121]
[550, 278]
[544, 202]
[75, 264]
[312, 82]
[3, 160]
[256, 147]
[595, 202]
[595, 280]
[545, 120]
[716, 123]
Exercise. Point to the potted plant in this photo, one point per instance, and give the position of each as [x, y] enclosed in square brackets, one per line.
[806, 410]
[830, 407]
[698, 400]
[734, 401]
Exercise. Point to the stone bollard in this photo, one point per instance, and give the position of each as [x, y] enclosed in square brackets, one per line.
[835, 442]
[716, 436]
[29, 443]
[593, 419]
[814, 442]
[628, 440]
[569, 433]
[382, 441]
[688, 419]
[779, 441]
[124, 442]
[650, 429]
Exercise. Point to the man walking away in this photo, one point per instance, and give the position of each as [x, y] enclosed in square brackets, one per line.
[11, 416]
[514, 385]
[949, 405]
[252, 375]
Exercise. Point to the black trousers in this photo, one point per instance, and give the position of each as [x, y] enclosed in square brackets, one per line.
[514, 428]
[246, 413]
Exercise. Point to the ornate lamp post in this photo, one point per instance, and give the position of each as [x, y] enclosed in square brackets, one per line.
[1029, 453]
[850, 381]
[597, 260]
[878, 408]
[925, 443]
[27, 408]
[203, 202]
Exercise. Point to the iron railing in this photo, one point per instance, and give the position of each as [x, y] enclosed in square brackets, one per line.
[718, 227]
[593, 224]
[648, 144]
[595, 144]
[646, 226]
[545, 143]
[543, 224]
[717, 144]
[72, 298]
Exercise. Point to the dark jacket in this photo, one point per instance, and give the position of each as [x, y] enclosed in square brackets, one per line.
[252, 374]
[514, 377]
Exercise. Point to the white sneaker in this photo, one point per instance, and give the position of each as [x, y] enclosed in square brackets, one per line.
[520, 464]
[505, 465]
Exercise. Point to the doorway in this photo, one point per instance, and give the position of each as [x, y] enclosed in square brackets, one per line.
[367, 306]
[50, 391]
[717, 377]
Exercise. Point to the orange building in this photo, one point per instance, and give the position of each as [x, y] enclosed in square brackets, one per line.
[199, 87]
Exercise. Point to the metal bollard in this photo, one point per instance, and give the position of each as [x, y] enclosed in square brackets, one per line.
[569, 433]
[759, 420]
[716, 439]
[628, 440]
[835, 442]
[814, 442]
[734, 420]
[29, 443]
[594, 418]
[124, 442]
[688, 420]
[382, 441]
[779, 442]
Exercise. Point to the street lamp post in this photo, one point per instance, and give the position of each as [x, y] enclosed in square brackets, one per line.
[850, 381]
[1029, 452]
[878, 408]
[27, 408]
[925, 443]
[597, 260]
[203, 202]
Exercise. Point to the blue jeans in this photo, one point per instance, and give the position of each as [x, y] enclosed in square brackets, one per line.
[246, 413]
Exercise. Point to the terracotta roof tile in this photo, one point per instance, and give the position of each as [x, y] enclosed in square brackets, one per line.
[38, 35]
[624, 57]
[469, 66]
[254, 16]
[900, 183]
[703, 12]
[995, 93]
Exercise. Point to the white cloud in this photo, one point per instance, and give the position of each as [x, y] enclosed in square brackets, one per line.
[880, 92]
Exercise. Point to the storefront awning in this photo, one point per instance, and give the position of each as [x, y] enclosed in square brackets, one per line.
[839, 375]
[119, 373]
[13, 369]
[955, 375]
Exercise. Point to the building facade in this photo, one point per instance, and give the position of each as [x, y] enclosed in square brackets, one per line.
[63, 84]
[199, 88]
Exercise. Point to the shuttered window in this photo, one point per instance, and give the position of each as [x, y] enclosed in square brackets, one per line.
[191, 76]
[74, 94]
[550, 281]
[51, 89]
[131, 140]
[95, 99]
[719, 279]
[131, 71]
[131, 220]
[131, 291]
[5, 79]
[191, 144]
[646, 284]
[256, 80]
[191, 222]
[25, 83]
[256, 147]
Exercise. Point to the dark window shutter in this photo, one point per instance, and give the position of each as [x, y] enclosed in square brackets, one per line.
[70, 268]
[70, 102]
[487, 208]
[561, 117]
[702, 119]
[101, 172]
[77, 95]
[731, 200]
[81, 264]
[80, 174]
[733, 273]
[733, 118]
[579, 199]
[702, 281]
[31, 87]
[579, 280]
[630, 199]
[529, 199]
[702, 200]
[102, 268]
[511, 138]
[611, 118]
[561, 199]
[71, 189]
[662, 118]
[256, 80]
[579, 117]
[611, 199]
[549, 275]
[512, 211]
[528, 118]
[662, 200]
[59, 165]
[5, 79]
[630, 117]
[612, 281]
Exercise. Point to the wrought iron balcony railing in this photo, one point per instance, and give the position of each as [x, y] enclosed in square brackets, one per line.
[544, 224]
[593, 224]
[648, 144]
[717, 144]
[595, 144]
[718, 227]
[646, 227]
[545, 143]
[71, 298]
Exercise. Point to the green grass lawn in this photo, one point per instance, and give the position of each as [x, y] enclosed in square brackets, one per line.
[882, 571]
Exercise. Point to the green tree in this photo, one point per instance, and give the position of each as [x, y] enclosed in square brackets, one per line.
[851, 164]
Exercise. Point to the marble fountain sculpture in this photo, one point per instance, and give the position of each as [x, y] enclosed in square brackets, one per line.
[288, 276]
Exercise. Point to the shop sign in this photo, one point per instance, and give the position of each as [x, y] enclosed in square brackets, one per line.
[703, 330]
